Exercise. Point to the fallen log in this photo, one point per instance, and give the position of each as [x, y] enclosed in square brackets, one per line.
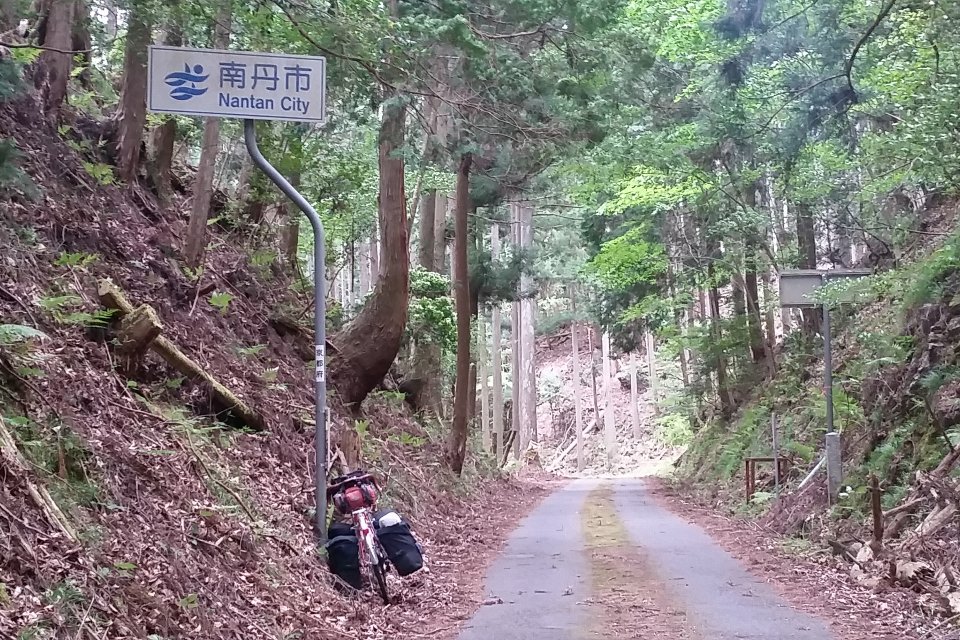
[563, 456]
[222, 398]
[507, 445]
[38, 493]
[906, 506]
[936, 520]
[136, 332]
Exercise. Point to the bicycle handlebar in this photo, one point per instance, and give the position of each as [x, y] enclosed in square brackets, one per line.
[344, 481]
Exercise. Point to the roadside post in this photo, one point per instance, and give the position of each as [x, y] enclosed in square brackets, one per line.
[798, 288]
[775, 446]
[253, 86]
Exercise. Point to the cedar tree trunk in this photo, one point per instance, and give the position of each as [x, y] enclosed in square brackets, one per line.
[368, 345]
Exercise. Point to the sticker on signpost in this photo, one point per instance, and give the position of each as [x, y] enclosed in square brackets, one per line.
[319, 362]
[236, 84]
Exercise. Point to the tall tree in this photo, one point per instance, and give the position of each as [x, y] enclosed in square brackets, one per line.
[497, 363]
[575, 346]
[457, 446]
[56, 29]
[425, 366]
[132, 113]
[196, 240]
[528, 367]
[807, 245]
[483, 373]
[164, 137]
[369, 343]
[609, 419]
[651, 349]
[516, 376]
[426, 243]
[8, 15]
[634, 398]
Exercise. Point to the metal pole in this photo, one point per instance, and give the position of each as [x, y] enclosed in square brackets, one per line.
[776, 452]
[319, 324]
[827, 367]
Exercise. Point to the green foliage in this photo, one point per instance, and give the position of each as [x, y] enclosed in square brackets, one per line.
[427, 284]
[674, 430]
[934, 273]
[803, 451]
[761, 498]
[251, 351]
[193, 275]
[34, 631]
[549, 324]
[549, 386]
[56, 451]
[102, 173]
[629, 260]
[15, 334]
[76, 260]
[64, 594]
[221, 301]
[405, 439]
[396, 398]
[11, 82]
[261, 260]
[65, 309]
[431, 318]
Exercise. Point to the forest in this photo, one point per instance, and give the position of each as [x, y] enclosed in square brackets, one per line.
[555, 236]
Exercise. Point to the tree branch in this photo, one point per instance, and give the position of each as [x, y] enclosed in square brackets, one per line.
[21, 45]
[848, 68]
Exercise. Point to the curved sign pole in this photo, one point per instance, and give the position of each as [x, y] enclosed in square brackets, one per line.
[319, 325]
[253, 86]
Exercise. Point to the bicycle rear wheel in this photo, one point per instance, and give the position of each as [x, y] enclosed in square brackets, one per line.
[380, 575]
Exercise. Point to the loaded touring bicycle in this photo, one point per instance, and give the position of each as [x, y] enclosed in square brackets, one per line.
[364, 550]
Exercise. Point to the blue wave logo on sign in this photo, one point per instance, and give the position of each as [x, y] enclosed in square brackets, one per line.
[185, 82]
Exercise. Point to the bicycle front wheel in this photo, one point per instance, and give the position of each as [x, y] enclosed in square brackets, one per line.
[380, 575]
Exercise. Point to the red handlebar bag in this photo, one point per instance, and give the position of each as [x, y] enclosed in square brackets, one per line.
[356, 497]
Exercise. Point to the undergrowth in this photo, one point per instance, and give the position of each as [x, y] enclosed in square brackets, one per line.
[870, 341]
[55, 451]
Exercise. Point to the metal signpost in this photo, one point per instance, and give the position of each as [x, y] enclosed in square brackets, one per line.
[798, 290]
[257, 86]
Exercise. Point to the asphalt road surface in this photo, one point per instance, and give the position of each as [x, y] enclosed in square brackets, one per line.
[541, 587]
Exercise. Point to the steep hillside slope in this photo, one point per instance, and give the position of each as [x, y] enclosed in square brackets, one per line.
[178, 525]
[880, 356]
[896, 382]
[556, 415]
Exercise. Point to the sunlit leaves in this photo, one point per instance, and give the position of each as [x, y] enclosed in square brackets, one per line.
[652, 190]
[629, 260]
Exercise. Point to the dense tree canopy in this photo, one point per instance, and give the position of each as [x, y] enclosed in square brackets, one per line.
[677, 156]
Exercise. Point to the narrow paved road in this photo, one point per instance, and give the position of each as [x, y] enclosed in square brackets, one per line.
[600, 559]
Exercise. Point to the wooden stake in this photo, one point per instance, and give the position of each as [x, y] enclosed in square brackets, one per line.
[877, 514]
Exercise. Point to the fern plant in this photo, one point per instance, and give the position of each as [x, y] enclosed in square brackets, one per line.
[16, 334]
[65, 309]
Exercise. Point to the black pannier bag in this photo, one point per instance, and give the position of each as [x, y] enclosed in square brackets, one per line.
[401, 547]
[343, 557]
[338, 529]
